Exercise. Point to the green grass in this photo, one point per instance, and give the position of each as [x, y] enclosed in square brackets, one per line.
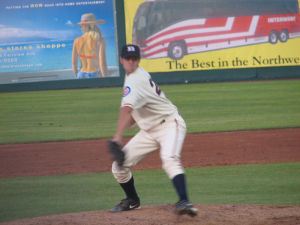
[241, 106]
[93, 113]
[58, 115]
[248, 184]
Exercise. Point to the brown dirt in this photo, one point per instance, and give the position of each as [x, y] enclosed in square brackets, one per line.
[208, 149]
[163, 215]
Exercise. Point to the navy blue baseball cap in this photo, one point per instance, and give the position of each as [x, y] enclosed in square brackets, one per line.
[130, 51]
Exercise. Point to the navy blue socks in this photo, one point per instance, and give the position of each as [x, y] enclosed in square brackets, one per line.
[178, 182]
[180, 186]
[129, 189]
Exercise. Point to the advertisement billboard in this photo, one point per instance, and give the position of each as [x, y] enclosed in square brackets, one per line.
[189, 35]
[43, 40]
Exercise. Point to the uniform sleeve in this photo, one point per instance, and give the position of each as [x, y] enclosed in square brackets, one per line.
[132, 96]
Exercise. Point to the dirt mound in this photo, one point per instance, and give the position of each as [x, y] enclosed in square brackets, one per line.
[163, 215]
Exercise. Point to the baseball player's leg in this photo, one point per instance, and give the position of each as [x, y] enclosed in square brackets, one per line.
[171, 139]
[135, 150]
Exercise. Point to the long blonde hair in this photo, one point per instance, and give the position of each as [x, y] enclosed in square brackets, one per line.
[94, 32]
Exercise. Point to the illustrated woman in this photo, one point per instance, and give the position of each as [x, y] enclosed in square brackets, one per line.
[90, 49]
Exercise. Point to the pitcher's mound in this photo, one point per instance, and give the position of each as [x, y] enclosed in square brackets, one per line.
[163, 215]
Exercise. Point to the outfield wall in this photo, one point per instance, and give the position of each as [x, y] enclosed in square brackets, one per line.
[216, 75]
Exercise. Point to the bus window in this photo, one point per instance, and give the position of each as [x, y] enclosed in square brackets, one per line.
[141, 23]
[162, 23]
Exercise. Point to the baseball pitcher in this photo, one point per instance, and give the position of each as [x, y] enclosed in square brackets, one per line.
[161, 128]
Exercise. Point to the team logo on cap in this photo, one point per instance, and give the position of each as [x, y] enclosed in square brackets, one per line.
[126, 91]
[130, 48]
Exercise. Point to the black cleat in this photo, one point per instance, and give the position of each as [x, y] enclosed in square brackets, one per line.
[185, 207]
[126, 204]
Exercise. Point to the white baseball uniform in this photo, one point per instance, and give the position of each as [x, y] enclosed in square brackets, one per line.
[161, 127]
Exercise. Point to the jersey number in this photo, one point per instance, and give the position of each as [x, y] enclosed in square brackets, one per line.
[152, 83]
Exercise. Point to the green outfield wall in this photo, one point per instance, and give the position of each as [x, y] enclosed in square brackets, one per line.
[216, 75]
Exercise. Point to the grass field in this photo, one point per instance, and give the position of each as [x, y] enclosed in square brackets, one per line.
[248, 184]
[92, 113]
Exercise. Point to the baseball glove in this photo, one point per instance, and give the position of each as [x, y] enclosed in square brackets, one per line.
[116, 152]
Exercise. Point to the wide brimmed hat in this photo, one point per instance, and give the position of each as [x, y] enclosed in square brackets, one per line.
[90, 18]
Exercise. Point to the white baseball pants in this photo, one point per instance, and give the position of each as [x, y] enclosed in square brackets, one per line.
[167, 136]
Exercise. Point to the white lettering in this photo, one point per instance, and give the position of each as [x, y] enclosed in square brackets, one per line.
[130, 49]
[281, 19]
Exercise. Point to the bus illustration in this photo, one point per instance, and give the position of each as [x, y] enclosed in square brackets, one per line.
[175, 28]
